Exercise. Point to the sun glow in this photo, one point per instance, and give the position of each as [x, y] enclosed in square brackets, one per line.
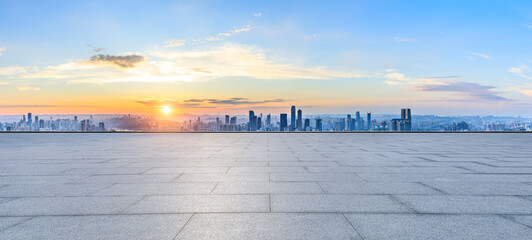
[166, 109]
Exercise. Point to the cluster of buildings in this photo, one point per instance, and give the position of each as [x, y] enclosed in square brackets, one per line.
[34, 124]
[284, 122]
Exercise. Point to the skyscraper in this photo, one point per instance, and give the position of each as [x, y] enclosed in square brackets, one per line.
[406, 118]
[284, 122]
[357, 118]
[300, 120]
[369, 120]
[268, 121]
[319, 126]
[307, 125]
[250, 122]
[348, 123]
[292, 118]
[226, 119]
[29, 119]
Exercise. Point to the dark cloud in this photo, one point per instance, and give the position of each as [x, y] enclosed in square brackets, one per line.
[127, 61]
[443, 77]
[470, 90]
[95, 49]
[204, 103]
[234, 101]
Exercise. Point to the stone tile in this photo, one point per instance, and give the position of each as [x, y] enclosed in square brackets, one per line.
[50, 190]
[376, 188]
[188, 170]
[527, 220]
[250, 177]
[413, 226]
[234, 170]
[482, 188]
[134, 178]
[202, 203]
[268, 226]
[266, 187]
[66, 205]
[467, 204]
[337, 203]
[7, 222]
[312, 177]
[164, 226]
[156, 189]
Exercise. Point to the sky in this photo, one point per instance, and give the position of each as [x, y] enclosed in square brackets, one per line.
[227, 57]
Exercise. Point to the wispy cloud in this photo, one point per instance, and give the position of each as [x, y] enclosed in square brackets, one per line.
[471, 91]
[207, 103]
[5, 83]
[185, 65]
[26, 88]
[257, 14]
[95, 49]
[218, 37]
[527, 25]
[521, 71]
[469, 57]
[400, 39]
[126, 61]
[45, 106]
[482, 55]
[12, 70]
[1, 50]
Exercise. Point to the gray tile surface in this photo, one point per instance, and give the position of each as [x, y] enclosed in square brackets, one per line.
[265, 186]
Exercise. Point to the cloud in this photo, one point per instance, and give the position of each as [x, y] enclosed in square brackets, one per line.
[43, 106]
[200, 64]
[257, 14]
[1, 50]
[218, 37]
[396, 76]
[127, 61]
[234, 101]
[482, 55]
[206, 103]
[472, 91]
[469, 57]
[26, 88]
[520, 71]
[175, 43]
[5, 83]
[12, 70]
[443, 77]
[527, 25]
[398, 39]
[95, 49]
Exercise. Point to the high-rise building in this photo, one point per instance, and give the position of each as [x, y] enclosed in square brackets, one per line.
[369, 121]
[259, 123]
[319, 126]
[233, 121]
[29, 119]
[348, 123]
[36, 124]
[268, 121]
[101, 126]
[284, 122]
[357, 118]
[300, 120]
[292, 118]
[24, 119]
[307, 125]
[250, 122]
[226, 119]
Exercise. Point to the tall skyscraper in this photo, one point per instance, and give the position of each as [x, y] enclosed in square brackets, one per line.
[369, 121]
[357, 118]
[319, 126]
[259, 123]
[406, 118]
[29, 119]
[268, 121]
[284, 122]
[300, 120]
[250, 122]
[292, 118]
[348, 123]
[307, 125]
[226, 119]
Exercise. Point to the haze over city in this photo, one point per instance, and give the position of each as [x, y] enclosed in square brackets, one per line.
[214, 57]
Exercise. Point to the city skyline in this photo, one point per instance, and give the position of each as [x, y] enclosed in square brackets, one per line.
[201, 57]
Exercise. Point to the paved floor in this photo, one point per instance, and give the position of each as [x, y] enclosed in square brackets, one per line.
[265, 186]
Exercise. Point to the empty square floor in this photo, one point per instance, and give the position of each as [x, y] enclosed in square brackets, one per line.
[265, 186]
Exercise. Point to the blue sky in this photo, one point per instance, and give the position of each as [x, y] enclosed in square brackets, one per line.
[441, 57]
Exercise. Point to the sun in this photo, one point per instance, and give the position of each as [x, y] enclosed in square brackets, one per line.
[166, 109]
